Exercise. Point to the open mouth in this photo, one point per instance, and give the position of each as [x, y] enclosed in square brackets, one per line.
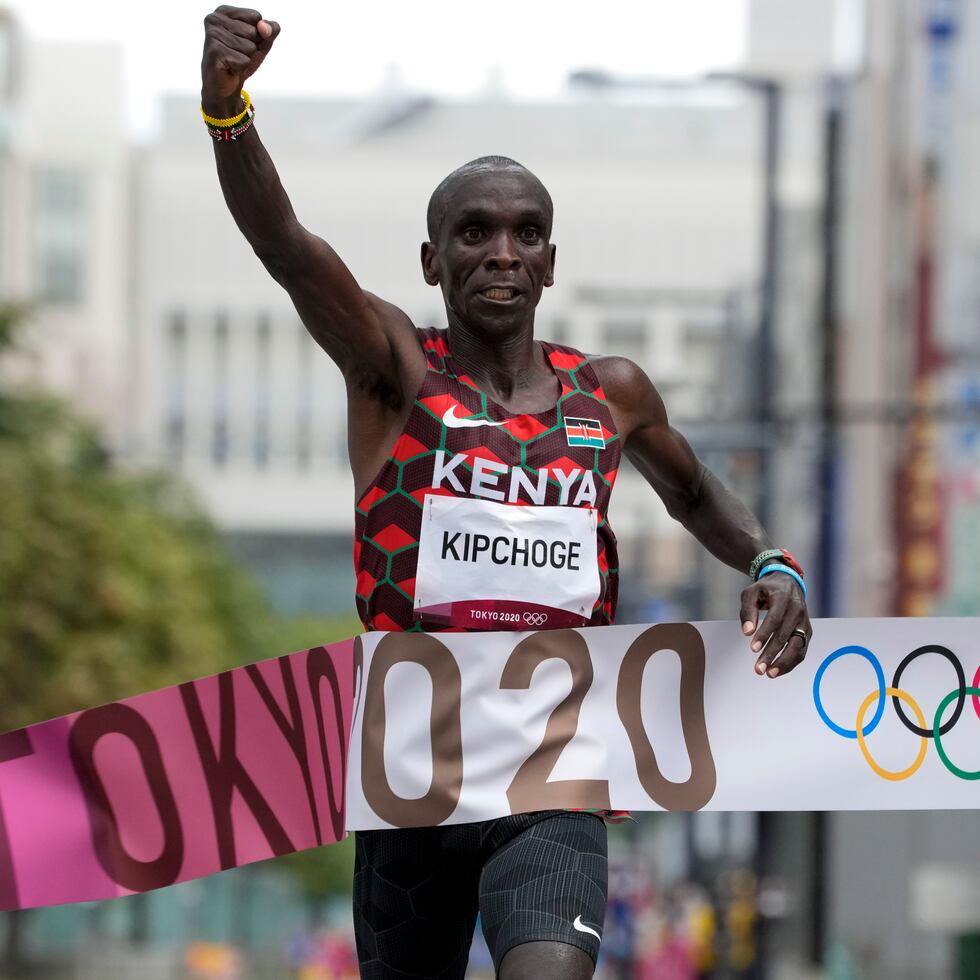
[499, 293]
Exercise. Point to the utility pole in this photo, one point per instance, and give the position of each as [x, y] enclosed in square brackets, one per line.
[827, 467]
[766, 392]
[771, 94]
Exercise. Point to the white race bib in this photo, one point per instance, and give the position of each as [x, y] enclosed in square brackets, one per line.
[484, 565]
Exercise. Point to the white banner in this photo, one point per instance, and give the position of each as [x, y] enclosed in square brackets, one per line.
[450, 727]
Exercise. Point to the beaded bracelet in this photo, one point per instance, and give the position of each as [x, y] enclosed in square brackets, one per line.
[786, 570]
[232, 133]
[760, 560]
[211, 121]
[782, 555]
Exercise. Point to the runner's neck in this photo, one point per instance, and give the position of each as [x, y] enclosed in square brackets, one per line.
[514, 371]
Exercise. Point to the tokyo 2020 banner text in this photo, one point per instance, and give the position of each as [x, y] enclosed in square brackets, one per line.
[394, 729]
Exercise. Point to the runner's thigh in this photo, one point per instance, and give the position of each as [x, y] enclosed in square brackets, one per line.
[546, 882]
[415, 904]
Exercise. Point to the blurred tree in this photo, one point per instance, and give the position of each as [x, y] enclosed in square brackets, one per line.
[114, 583]
[304, 632]
[322, 873]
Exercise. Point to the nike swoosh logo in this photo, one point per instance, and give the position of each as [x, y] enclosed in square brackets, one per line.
[452, 421]
[577, 925]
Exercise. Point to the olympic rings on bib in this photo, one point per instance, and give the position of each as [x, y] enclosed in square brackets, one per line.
[861, 731]
[535, 619]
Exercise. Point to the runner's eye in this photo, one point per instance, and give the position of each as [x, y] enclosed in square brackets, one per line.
[531, 234]
[472, 234]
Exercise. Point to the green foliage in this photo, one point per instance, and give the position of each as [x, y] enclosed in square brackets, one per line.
[313, 631]
[114, 583]
[12, 319]
[323, 871]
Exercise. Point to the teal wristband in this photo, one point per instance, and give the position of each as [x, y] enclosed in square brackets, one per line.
[786, 570]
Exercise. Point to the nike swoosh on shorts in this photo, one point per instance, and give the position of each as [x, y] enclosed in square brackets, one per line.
[452, 421]
[577, 925]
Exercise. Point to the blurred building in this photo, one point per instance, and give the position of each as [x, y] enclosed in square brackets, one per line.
[65, 213]
[958, 304]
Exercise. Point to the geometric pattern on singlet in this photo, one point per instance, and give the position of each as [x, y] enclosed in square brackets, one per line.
[388, 515]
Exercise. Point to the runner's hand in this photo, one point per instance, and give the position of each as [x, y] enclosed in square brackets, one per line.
[782, 599]
[236, 41]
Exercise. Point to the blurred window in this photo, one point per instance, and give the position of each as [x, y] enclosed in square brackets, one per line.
[625, 338]
[8, 53]
[59, 222]
[260, 442]
[341, 442]
[219, 416]
[176, 386]
[304, 400]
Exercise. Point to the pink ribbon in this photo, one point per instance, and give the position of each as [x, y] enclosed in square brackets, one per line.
[177, 783]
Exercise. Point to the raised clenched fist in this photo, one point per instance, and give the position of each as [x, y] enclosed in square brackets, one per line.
[236, 41]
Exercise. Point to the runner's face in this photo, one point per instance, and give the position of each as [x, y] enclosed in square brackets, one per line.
[494, 256]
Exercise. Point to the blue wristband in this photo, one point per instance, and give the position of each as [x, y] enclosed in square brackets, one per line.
[786, 570]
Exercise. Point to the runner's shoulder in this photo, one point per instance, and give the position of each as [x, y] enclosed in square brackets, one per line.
[621, 379]
[631, 395]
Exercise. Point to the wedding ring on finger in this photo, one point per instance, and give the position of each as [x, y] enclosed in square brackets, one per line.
[801, 634]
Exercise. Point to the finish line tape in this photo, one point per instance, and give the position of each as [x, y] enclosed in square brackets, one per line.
[414, 729]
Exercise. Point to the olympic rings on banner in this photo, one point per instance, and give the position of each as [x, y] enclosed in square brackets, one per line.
[895, 693]
[937, 731]
[861, 731]
[921, 729]
[879, 673]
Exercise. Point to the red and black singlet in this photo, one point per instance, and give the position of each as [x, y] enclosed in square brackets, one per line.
[459, 443]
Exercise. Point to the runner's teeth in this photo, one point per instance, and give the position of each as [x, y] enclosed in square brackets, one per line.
[497, 293]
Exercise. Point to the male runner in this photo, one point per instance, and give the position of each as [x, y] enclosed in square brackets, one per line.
[483, 416]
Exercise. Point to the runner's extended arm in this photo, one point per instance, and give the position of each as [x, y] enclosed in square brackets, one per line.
[694, 496]
[368, 338]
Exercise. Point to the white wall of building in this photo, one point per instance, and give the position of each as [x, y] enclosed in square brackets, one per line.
[65, 226]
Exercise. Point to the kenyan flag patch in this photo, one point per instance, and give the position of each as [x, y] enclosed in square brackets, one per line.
[584, 432]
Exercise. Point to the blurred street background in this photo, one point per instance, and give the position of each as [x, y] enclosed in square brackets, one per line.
[772, 205]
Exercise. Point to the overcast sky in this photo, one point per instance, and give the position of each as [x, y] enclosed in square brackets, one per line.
[439, 46]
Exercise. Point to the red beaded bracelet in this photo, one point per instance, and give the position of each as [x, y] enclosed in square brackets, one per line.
[224, 134]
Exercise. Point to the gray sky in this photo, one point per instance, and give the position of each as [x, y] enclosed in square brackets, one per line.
[441, 46]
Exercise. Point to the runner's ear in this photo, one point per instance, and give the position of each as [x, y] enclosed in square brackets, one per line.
[549, 279]
[430, 264]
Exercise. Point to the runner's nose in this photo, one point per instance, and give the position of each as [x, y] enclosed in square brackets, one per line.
[502, 254]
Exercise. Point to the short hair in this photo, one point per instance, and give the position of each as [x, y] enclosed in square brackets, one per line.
[438, 203]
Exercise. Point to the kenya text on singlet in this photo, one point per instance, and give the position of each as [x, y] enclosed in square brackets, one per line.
[484, 520]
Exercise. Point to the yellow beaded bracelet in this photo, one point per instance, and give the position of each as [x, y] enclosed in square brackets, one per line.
[231, 120]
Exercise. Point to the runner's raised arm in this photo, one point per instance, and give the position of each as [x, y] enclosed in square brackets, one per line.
[371, 341]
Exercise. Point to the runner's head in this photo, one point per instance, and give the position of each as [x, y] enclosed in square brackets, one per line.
[489, 245]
